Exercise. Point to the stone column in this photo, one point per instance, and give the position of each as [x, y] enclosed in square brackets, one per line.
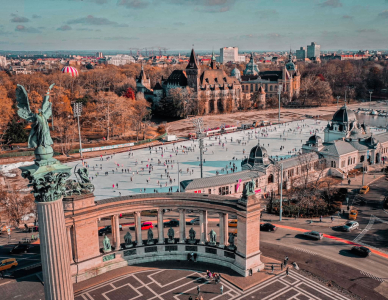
[54, 250]
[182, 225]
[222, 230]
[113, 226]
[117, 232]
[226, 229]
[203, 227]
[160, 226]
[68, 231]
[215, 106]
[138, 228]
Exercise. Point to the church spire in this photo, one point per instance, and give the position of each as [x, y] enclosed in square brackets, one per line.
[213, 63]
[193, 61]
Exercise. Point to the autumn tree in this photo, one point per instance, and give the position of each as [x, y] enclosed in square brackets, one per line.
[66, 133]
[141, 112]
[15, 204]
[315, 91]
[6, 111]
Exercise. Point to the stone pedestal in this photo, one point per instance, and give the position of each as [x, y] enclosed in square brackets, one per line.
[54, 251]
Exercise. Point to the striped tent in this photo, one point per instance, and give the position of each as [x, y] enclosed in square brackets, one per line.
[71, 71]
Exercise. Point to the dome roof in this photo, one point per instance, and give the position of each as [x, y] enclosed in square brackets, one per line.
[344, 115]
[251, 68]
[315, 139]
[258, 156]
[73, 72]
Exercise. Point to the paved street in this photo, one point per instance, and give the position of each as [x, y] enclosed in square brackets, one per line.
[181, 284]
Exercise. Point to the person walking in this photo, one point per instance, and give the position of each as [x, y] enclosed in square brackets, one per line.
[287, 271]
[198, 289]
[272, 268]
[190, 298]
[222, 289]
[320, 219]
[281, 266]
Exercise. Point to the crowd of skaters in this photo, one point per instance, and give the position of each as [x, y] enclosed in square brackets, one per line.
[159, 170]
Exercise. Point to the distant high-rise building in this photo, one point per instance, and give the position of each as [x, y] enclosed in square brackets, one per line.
[230, 54]
[3, 61]
[99, 55]
[313, 51]
[301, 54]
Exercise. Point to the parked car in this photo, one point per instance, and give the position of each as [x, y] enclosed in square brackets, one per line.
[21, 248]
[353, 214]
[314, 235]
[171, 223]
[364, 189]
[360, 251]
[349, 226]
[107, 229]
[194, 221]
[267, 227]
[8, 264]
[147, 225]
[232, 223]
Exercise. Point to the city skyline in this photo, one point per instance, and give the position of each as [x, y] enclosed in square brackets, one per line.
[49, 25]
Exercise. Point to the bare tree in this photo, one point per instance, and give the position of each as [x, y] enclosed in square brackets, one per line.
[15, 204]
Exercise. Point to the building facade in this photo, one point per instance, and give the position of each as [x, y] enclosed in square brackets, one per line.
[347, 145]
[288, 77]
[230, 54]
[217, 91]
[313, 51]
[301, 54]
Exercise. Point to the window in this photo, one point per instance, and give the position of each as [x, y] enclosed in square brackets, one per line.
[270, 178]
[271, 88]
[343, 164]
[209, 191]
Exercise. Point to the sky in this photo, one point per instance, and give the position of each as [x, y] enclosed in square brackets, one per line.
[35, 25]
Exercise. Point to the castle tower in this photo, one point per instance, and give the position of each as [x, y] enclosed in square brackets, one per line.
[262, 96]
[192, 71]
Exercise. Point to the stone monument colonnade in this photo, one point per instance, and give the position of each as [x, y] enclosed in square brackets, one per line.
[88, 259]
[68, 225]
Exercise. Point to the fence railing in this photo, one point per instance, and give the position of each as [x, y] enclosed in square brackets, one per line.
[31, 153]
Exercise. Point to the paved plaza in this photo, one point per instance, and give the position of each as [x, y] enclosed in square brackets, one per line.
[219, 156]
[181, 284]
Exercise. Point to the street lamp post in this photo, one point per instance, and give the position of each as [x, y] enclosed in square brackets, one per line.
[281, 192]
[198, 123]
[370, 98]
[279, 93]
[179, 184]
[338, 97]
[77, 110]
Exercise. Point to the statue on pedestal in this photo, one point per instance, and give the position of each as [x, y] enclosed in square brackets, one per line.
[150, 239]
[192, 236]
[107, 247]
[213, 238]
[231, 241]
[128, 240]
[171, 234]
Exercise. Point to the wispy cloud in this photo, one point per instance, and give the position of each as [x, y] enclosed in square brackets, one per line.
[366, 30]
[64, 28]
[34, 16]
[91, 20]
[331, 3]
[267, 13]
[347, 17]
[179, 24]
[135, 4]
[18, 19]
[383, 15]
[22, 28]
[117, 38]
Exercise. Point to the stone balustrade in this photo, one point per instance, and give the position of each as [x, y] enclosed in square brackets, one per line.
[82, 214]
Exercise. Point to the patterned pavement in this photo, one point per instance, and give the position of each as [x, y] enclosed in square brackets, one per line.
[181, 284]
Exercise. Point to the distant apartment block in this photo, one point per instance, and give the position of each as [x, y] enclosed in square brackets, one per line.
[120, 59]
[313, 51]
[230, 54]
[3, 61]
[99, 55]
[301, 54]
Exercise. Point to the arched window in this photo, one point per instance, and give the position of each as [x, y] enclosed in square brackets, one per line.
[270, 178]
[362, 158]
[271, 88]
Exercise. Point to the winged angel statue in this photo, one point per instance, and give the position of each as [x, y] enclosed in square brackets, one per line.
[40, 131]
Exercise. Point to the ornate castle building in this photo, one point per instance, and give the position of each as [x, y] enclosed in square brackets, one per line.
[269, 81]
[212, 86]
